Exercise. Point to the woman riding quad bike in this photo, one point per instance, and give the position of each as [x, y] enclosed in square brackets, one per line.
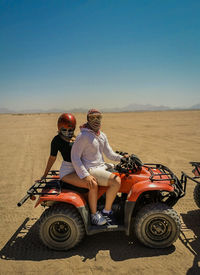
[143, 206]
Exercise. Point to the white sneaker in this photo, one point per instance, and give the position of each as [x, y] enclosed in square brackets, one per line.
[98, 219]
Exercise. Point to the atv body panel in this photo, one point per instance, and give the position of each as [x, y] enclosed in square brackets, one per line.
[66, 196]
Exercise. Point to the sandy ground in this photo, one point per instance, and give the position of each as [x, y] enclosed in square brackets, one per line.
[171, 138]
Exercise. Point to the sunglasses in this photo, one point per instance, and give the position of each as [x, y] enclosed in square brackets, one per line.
[93, 116]
[66, 130]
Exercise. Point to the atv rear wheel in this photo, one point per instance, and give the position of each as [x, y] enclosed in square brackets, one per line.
[157, 225]
[61, 227]
[197, 195]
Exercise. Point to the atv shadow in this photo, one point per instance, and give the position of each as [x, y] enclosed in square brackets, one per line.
[190, 237]
[26, 245]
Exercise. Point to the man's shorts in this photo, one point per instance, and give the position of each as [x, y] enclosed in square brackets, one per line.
[101, 174]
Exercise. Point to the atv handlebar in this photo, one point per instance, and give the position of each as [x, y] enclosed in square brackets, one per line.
[121, 153]
[129, 164]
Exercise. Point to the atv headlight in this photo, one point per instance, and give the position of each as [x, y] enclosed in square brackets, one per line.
[164, 193]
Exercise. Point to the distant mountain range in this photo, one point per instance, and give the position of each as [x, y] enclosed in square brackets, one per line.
[128, 108]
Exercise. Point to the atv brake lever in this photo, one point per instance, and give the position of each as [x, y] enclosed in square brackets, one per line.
[123, 160]
[121, 153]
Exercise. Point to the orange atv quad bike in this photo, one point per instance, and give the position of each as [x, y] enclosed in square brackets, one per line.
[143, 206]
[196, 179]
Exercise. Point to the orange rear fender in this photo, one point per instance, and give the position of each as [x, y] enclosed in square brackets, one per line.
[65, 196]
[146, 186]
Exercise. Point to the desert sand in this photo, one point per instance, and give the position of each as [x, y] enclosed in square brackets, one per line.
[169, 137]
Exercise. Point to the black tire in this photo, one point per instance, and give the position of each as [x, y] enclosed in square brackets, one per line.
[61, 227]
[197, 195]
[157, 225]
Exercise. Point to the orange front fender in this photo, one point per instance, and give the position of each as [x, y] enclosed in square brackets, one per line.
[66, 196]
[144, 186]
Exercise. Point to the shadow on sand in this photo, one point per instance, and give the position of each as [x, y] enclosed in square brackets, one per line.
[26, 245]
[190, 237]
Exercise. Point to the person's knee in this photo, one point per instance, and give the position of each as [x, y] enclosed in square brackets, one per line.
[118, 179]
[117, 182]
[94, 186]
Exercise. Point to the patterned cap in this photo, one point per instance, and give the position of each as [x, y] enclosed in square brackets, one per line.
[93, 111]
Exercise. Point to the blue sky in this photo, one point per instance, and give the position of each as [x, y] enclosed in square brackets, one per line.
[99, 53]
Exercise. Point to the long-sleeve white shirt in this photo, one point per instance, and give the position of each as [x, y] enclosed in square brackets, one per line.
[87, 152]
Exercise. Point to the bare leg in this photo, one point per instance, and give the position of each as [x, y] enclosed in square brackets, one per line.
[114, 183]
[92, 194]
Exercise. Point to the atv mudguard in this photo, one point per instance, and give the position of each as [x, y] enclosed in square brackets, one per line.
[135, 192]
[65, 196]
[148, 186]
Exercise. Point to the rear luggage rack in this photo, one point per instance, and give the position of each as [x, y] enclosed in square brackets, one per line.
[52, 181]
[197, 168]
[184, 178]
[36, 189]
[196, 179]
[195, 163]
[53, 174]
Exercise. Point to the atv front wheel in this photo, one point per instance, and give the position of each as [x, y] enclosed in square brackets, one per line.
[61, 227]
[157, 225]
[197, 195]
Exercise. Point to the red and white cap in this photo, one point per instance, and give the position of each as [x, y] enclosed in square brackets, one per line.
[93, 111]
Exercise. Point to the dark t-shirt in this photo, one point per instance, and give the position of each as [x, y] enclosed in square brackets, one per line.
[58, 144]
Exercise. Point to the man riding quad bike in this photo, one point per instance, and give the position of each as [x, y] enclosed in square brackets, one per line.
[143, 206]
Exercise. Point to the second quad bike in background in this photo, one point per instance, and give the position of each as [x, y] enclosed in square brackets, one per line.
[143, 206]
[196, 179]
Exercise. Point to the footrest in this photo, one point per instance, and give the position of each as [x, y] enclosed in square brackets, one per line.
[93, 229]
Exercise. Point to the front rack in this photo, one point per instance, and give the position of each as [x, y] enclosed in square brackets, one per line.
[180, 185]
[164, 171]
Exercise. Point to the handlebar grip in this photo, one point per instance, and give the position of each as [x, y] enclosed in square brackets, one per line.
[30, 192]
[23, 200]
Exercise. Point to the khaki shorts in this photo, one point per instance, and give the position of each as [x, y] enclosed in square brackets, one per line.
[101, 175]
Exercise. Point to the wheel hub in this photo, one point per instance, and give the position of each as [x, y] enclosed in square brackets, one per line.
[59, 231]
[158, 229]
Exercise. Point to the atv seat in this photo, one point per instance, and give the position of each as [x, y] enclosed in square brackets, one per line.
[69, 186]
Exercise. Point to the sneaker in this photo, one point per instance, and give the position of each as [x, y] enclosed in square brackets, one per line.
[109, 218]
[98, 219]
